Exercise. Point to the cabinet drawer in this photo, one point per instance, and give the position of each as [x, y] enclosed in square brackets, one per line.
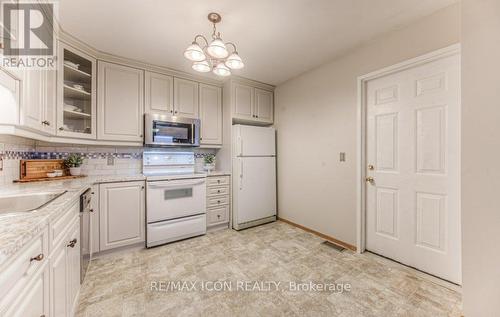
[58, 228]
[217, 201]
[26, 262]
[216, 191]
[216, 181]
[217, 215]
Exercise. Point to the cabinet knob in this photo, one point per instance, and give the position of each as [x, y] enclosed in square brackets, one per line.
[91, 210]
[37, 258]
[218, 191]
[218, 201]
[218, 216]
[218, 181]
[72, 243]
[61, 128]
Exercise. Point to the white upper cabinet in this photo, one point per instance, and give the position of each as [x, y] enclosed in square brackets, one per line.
[186, 98]
[243, 102]
[120, 102]
[263, 105]
[32, 102]
[211, 115]
[38, 100]
[10, 89]
[76, 93]
[159, 93]
[253, 105]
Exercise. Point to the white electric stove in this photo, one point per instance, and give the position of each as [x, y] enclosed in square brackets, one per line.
[175, 197]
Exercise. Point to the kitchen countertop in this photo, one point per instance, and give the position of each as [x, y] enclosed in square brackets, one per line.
[218, 173]
[16, 230]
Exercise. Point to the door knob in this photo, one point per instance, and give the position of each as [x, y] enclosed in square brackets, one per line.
[370, 180]
[371, 167]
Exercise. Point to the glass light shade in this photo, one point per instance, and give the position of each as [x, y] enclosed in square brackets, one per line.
[202, 66]
[234, 61]
[221, 70]
[194, 53]
[217, 49]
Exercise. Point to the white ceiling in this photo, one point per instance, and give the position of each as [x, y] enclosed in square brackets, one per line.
[277, 39]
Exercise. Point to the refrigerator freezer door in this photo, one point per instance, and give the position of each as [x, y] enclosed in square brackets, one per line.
[254, 141]
[255, 190]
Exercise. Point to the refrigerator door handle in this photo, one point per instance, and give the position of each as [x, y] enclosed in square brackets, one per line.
[241, 174]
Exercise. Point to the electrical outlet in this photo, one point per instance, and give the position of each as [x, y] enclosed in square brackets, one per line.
[111, 160]
[342, 156]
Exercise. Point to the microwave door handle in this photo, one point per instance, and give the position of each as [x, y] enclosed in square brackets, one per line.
[192, 133]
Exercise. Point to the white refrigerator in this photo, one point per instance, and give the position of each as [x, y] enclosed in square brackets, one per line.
[254, 176]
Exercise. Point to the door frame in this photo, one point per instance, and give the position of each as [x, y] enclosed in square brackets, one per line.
[362, 132]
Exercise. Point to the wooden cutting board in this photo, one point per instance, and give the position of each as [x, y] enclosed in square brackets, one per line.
[31, 169]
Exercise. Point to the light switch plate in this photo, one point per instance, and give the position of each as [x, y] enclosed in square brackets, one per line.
[342, 156]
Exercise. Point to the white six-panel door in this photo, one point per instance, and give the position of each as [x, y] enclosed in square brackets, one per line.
[413, 143]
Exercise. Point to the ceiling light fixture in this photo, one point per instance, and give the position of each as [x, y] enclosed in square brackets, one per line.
[214, 55]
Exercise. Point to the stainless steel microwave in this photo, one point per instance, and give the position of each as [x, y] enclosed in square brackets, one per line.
[166, 130]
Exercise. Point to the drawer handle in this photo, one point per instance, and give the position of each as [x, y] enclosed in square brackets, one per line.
[37, 258]
[72, 243]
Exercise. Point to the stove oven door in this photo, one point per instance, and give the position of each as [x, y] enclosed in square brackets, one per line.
[171, 199]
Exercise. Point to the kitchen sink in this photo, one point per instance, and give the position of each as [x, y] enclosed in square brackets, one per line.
[26, 202]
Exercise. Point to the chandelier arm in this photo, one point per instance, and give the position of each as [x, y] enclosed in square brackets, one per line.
[234, 47]
[200, 36]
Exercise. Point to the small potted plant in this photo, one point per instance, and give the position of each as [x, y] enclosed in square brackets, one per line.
[74, 164]
[209, 160]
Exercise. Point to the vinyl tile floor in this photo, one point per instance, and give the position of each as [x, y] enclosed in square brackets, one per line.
[270, 270]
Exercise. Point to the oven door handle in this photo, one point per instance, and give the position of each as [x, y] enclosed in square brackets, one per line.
[175, 184]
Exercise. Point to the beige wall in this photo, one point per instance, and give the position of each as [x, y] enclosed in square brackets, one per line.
[316, 119]
[481, 157]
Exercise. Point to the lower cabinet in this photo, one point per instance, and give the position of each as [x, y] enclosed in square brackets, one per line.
[43, 279]
[33, 301]
[218, 201]
[73, 267]
[65, 273]
[121, 214]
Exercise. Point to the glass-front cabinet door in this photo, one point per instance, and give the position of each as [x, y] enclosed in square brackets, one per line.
[76, 92]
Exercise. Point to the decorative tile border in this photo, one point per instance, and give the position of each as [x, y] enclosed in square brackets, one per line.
[31, 155]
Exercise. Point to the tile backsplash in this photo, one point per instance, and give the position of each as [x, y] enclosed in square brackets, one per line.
[98, 160]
